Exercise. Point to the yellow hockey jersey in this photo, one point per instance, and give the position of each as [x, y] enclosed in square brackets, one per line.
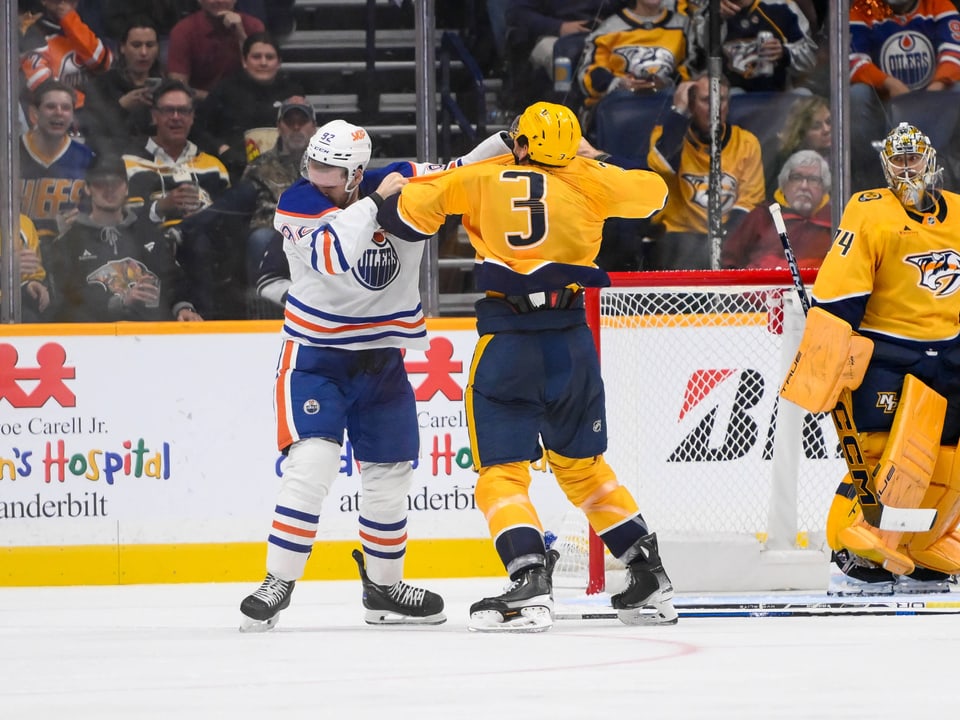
[623, 45]
[533, 228]
[687, 174]
[892, 272]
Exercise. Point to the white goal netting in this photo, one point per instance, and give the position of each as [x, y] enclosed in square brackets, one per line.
[735, 483]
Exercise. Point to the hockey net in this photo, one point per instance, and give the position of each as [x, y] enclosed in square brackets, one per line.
[735, 484]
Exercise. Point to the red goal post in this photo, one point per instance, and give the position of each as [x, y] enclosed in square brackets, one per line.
[735, 483]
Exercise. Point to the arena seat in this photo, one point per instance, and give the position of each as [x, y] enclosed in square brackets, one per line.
[935, 114]
[622, 122]
[763, 114]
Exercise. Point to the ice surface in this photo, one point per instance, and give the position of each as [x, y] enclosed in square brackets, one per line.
[173, 651]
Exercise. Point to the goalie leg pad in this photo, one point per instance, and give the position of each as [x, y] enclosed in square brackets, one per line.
[831, 357]
[939, 549]
[904, 471]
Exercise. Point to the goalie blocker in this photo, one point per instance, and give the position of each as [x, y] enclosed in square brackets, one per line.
[909, 468]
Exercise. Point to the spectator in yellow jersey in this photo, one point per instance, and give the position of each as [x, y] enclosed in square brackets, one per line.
[885, 325]
[534, 219]
[34, 290]
[642, 48]
[680, 154]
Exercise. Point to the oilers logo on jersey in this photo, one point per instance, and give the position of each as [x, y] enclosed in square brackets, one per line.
[379, 265]
[910, 57]
[939, 271]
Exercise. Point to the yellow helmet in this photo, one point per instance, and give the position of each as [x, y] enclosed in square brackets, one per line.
[552, 132]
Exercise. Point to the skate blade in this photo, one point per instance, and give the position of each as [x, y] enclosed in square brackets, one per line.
[385, 617]
[535, 618]
[249, 625]
[660, 614]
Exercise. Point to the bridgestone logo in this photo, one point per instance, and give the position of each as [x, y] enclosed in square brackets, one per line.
[713, 441]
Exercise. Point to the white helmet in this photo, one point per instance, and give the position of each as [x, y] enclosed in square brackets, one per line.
[340, 144]
[910, 185]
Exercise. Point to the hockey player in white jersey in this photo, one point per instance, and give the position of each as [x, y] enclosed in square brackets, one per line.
[353, 303]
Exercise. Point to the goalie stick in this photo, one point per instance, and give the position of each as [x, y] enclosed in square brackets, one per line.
[875, 512]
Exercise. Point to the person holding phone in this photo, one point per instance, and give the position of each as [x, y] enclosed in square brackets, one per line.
[119, 101]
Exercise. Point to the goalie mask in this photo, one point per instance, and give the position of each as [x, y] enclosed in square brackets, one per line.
[340, 144]
[910, 167]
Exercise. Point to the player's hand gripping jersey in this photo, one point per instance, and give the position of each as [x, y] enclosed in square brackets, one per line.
[339, 258]
[534, 229]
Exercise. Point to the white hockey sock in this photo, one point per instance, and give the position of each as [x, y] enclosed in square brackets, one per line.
[309, 471]
[383, 519]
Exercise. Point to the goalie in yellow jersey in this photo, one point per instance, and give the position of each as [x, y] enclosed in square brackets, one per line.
[892, 279]
[535, 219]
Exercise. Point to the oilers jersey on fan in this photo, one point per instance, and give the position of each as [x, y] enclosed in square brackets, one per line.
[916, 48]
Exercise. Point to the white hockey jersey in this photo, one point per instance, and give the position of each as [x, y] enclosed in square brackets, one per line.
[354, 286]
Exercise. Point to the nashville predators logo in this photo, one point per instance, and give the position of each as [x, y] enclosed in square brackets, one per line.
[643, 61]
[887, 401]
[699, 190]
[939, 271]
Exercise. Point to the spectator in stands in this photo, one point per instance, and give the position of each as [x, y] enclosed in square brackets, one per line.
[896, 48]
[110, 266]
[642, 48]
[119, 101]
[52, 164]
[762, 43]
[240, 113]
[205, 46]
[533, 28]
[117, 14]
[61, 47]
[807, 127]
[171, 182]
[271, 174]
[804, 196]
[34, 290]
[680, 153]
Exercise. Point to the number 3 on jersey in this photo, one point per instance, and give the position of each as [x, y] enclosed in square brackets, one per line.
[532, 205]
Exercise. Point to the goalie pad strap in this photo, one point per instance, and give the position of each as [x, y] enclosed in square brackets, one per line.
[831, 357]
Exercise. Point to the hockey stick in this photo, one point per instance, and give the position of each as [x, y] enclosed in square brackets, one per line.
[875, 512]
[807, 606]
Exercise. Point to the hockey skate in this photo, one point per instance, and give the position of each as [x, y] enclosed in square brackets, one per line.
[261, 610]
[648, 597]
[398, 604]
[525, 606]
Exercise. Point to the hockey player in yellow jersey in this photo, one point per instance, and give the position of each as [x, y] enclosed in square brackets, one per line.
[534, 219]
[892, 280]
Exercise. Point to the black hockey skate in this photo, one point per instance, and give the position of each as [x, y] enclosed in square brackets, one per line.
[648, 597]
[525, 606]
[398, 604]
[261, 610]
